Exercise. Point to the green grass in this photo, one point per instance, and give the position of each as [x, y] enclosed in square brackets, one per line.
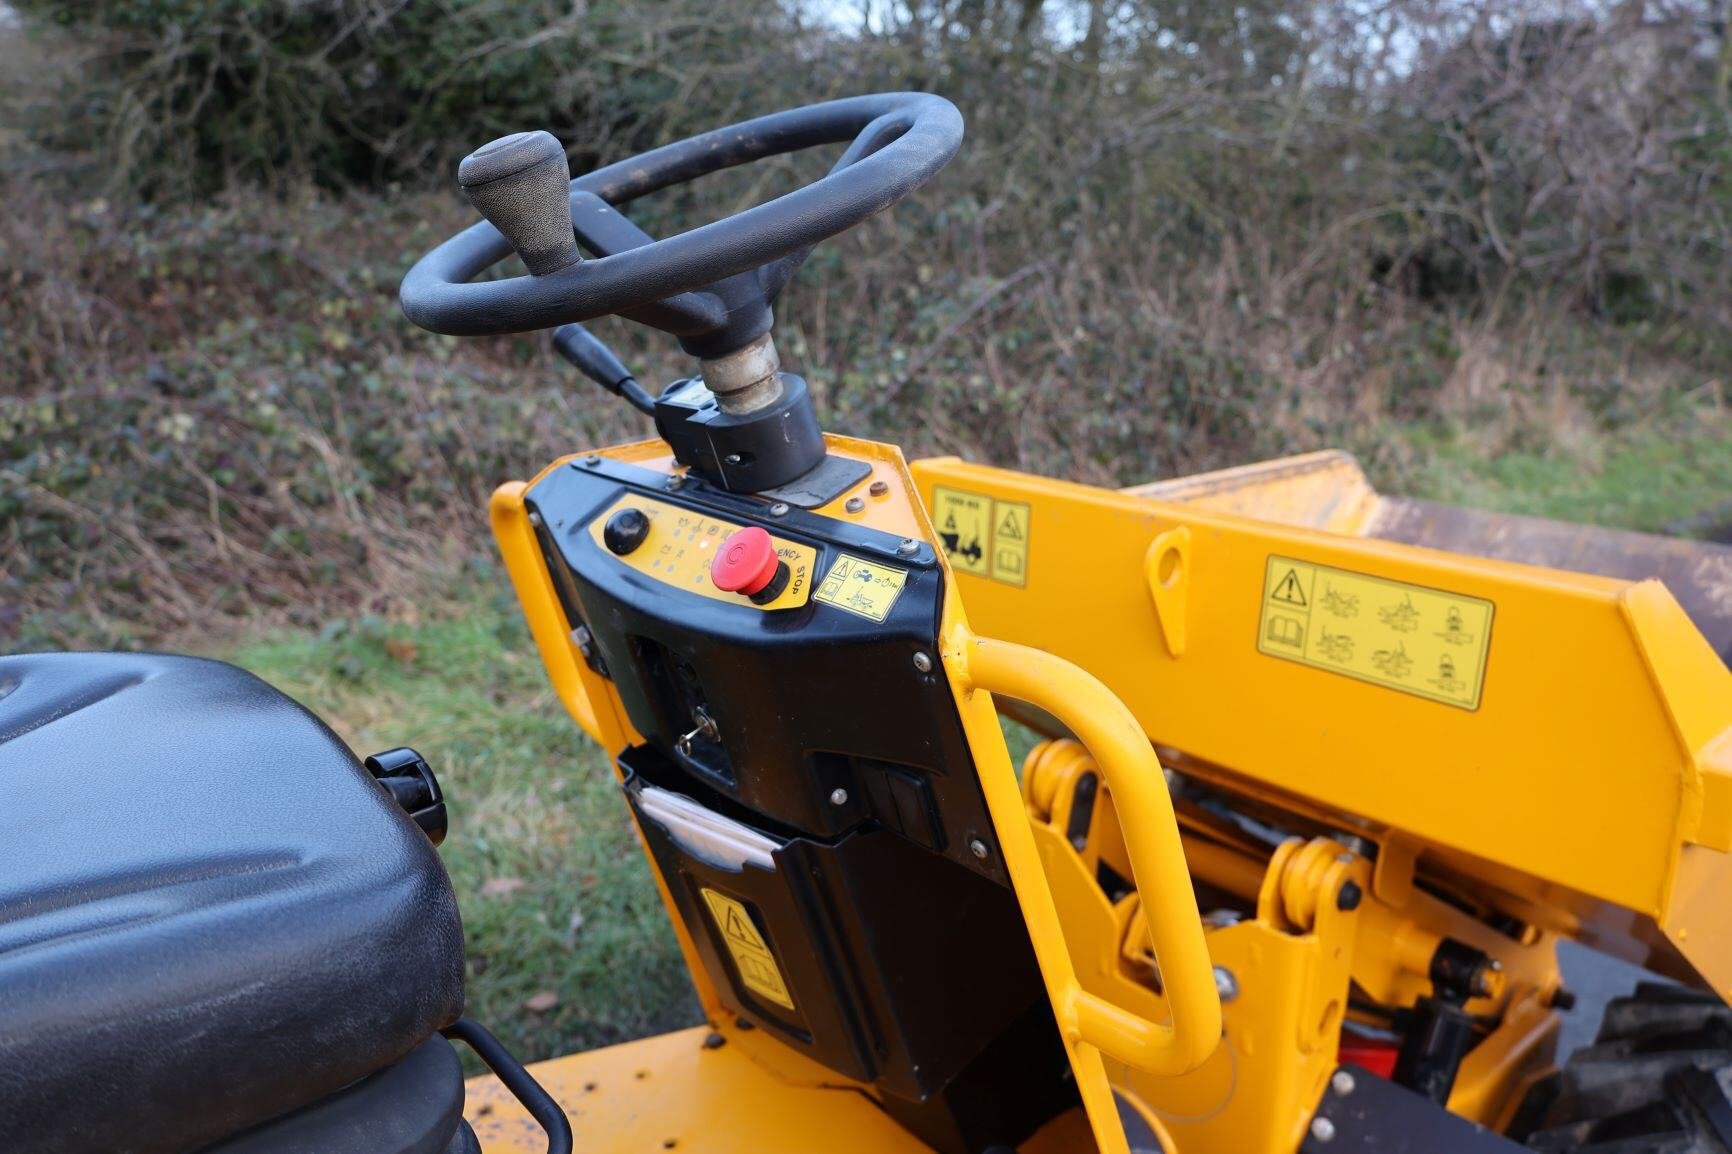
[1674, 479]
[556, 896]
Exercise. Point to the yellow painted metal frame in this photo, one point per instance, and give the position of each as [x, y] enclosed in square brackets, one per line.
[1295, 957]
[1594, 779]
[1525, 803]
[1094, 1027]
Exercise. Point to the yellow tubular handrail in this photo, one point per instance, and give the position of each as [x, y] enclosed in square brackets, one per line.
[1132, 771]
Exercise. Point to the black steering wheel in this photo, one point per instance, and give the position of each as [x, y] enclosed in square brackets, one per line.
[713, 286]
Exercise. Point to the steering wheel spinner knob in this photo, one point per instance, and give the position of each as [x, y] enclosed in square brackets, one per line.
[522, 184]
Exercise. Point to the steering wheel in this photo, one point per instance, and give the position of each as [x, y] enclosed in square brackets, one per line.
[713, 286]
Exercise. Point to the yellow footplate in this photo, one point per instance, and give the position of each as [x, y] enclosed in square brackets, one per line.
[699, 1090]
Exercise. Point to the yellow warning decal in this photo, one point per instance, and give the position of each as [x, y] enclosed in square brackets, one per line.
[1423, 641]
[862, 587]
[752, 957]
[981, 535]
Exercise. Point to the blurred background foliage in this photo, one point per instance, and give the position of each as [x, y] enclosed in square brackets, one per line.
[1482, 243]
[1180, 235]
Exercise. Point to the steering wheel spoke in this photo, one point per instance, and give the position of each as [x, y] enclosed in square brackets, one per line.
[603, 229]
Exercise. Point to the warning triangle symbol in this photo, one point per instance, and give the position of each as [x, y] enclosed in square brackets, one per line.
[738, 929]
[950, 521]
[1009, 529]
[1289, 590]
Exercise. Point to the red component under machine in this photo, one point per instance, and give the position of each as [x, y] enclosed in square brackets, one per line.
[1374, 1054]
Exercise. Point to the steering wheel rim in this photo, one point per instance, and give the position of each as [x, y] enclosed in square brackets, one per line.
[691, 283]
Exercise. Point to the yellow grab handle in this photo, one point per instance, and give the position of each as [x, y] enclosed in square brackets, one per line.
[547, 624]
[1132, 771]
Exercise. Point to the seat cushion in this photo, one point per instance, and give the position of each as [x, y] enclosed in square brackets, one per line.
[209, 913]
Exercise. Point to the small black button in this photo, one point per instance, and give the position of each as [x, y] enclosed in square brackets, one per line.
[625, 530]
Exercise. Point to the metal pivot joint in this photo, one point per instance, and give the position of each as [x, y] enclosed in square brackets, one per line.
[758, 432]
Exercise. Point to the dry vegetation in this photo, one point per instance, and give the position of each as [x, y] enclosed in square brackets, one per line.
[1179, 235]
[1482, 244]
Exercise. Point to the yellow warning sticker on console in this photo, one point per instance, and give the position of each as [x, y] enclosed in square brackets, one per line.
[862, 587]
[981, 535]
[752, 957]
[1419, 640]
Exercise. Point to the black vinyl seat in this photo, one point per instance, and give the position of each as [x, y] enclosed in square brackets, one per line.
[209, 913]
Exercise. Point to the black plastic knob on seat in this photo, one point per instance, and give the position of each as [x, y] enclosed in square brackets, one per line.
[522, 184]
[406, 776]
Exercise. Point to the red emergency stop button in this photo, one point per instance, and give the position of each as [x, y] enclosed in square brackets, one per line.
[746, 562]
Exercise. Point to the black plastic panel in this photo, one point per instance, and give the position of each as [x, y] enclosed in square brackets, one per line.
[902, 946]
[813, 699]
[1376, 1116]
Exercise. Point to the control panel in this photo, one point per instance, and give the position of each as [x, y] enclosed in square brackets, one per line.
[699, 553]
[804, 783]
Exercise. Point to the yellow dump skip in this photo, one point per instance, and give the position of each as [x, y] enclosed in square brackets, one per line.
[1427, 642]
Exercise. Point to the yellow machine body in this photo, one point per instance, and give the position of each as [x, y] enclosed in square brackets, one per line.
[1491, 737]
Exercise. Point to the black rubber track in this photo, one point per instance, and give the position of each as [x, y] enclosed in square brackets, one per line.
[1657, 1080]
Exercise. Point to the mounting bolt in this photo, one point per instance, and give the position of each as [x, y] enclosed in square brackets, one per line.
[1349, 897]
[1342, 1083]
[854, 504]
[1323, 1129]
[838, 797]
[979, 849]
[1226, 985]
[908, 547]
[714, 1041]
[779, 509]
[732, 459]
[675, 480]
[922, 662]
[878, 488]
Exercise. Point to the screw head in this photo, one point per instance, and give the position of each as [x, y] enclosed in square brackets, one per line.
[854, 504]
[908, 547]
[1226, 985]
[979, 849]
[1342, 1083]
[878, 488]
[675, 480]
[779, 509]
[1349, 897]
[923, 662]
[1323, 1129]
[732, 459]
[838, 797]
